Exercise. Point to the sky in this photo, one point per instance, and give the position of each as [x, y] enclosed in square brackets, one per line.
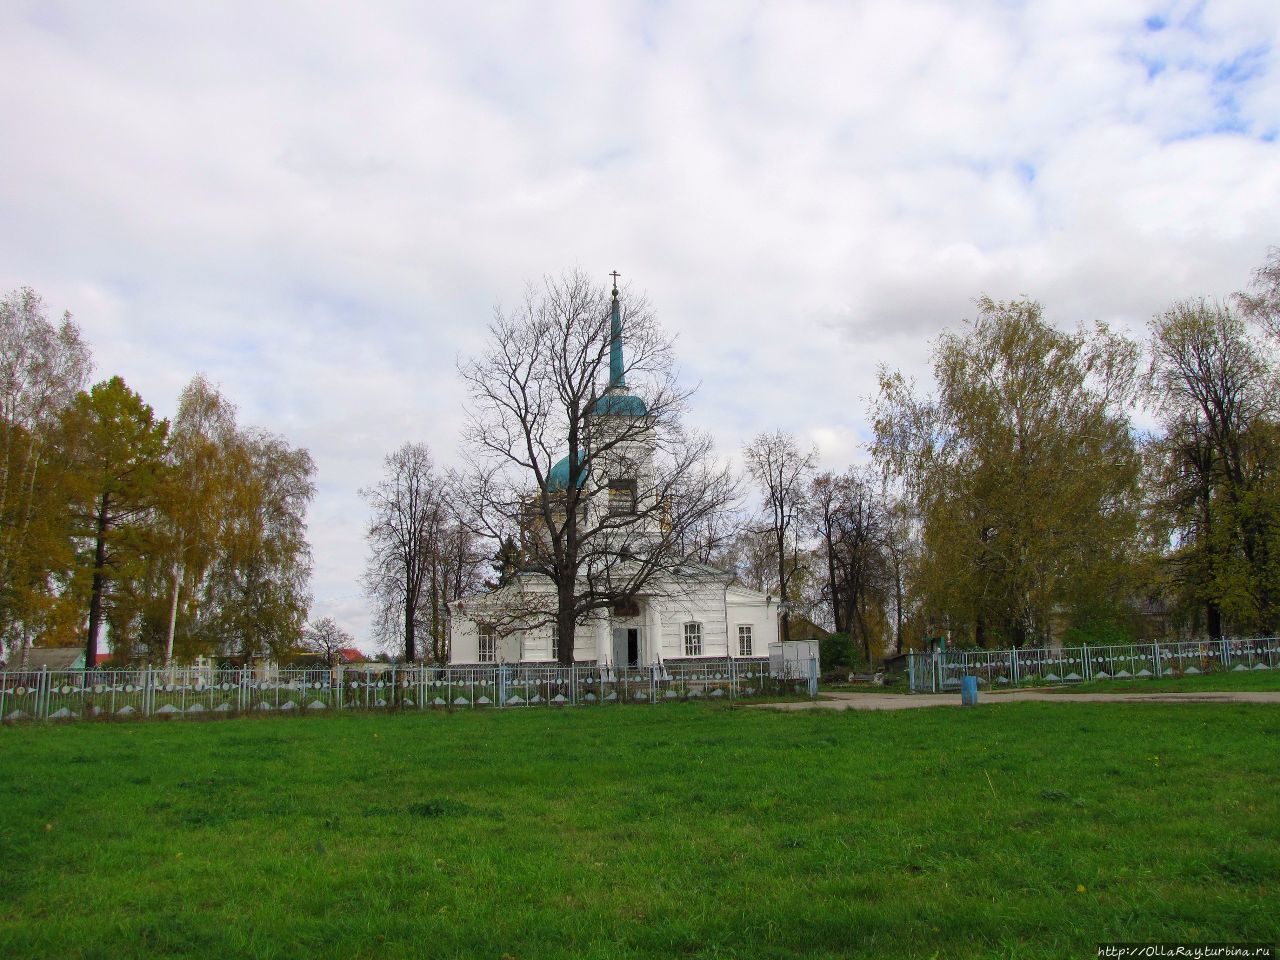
[318, 206]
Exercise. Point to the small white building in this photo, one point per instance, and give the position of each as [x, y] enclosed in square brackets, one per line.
[696, 612]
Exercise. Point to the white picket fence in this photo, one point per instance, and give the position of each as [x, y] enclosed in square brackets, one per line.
[938, 671]
[168, 692]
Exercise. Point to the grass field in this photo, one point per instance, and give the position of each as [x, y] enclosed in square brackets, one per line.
[1227, 680]
[686, 830]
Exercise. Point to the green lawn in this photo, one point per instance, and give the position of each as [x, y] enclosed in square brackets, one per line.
[1227, 680]
[684, 830]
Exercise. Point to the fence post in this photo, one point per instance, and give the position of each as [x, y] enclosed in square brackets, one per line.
[1087, 662]
[1155, 649]
[813, 677]
[502, 684]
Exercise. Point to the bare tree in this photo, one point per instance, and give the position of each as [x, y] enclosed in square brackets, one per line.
[454, 562]
[325, 638]
[850, 518]
[781, 471]
[577, 455]
[408, 514]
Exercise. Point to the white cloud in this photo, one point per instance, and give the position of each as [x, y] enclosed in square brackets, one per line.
[318, 206]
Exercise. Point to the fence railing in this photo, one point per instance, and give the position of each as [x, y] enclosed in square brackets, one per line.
[185, 692]
[938, 671]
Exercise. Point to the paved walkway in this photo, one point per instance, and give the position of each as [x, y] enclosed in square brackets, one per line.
[902, 701]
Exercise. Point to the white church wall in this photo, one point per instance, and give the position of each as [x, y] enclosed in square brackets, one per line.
[762, 618]
[464, 645]
[508, 647]
[697, 603]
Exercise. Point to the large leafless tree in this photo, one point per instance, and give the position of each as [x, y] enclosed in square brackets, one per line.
[781, 470]
[849, 514]
[544, 390]
[409, 516]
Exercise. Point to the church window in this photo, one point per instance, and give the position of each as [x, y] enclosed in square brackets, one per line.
[693, 639]
[744, 640]
[622, 497]
[488, 652]
[555, 641]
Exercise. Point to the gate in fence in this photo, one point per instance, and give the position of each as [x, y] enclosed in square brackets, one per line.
[939, 671]
[180, 692]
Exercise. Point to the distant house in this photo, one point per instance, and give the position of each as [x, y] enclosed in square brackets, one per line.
[344, 657]
[54, 658]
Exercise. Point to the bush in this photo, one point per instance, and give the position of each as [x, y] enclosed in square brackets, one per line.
[1104, 633]
[839, 651]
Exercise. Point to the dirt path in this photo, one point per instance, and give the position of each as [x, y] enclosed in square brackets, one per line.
[901, 701]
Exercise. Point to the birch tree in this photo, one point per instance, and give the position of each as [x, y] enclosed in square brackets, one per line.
[202, 457]
[1022, 470]
[43, 365]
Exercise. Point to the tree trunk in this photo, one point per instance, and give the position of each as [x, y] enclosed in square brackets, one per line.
[99, 580]
[173, 613]
[1213, 614]
[897, 602]
[862, 629]
[566, 623]
[435, 609]
[782, 585]
[831, 579]
[410, 651]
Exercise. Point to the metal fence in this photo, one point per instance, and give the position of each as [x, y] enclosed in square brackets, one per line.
[934, 672]
[161, 692]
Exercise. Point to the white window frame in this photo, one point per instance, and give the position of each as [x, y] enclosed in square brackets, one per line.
[693, 639]
[555, 642]
[745, 633]
[486, 643]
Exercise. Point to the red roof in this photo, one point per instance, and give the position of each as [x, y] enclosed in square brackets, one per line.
[100, 658]
[350, 655]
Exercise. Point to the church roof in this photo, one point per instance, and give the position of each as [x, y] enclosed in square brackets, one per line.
[619, 405]
[558, 475]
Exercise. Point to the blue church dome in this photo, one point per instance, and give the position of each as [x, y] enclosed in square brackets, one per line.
[619, 405]
[558, 475]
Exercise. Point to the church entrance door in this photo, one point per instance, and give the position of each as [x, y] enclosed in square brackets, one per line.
[626, 646]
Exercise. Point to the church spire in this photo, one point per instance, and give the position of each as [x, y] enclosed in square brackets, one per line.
[616, 376]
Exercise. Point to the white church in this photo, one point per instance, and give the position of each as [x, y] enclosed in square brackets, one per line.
[696, 614]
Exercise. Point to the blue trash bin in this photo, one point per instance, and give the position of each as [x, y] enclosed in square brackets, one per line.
[969, 691]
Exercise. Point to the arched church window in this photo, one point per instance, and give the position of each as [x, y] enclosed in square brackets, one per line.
[693, 639]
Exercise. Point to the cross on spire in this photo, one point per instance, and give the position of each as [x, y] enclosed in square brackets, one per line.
[615, 274]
